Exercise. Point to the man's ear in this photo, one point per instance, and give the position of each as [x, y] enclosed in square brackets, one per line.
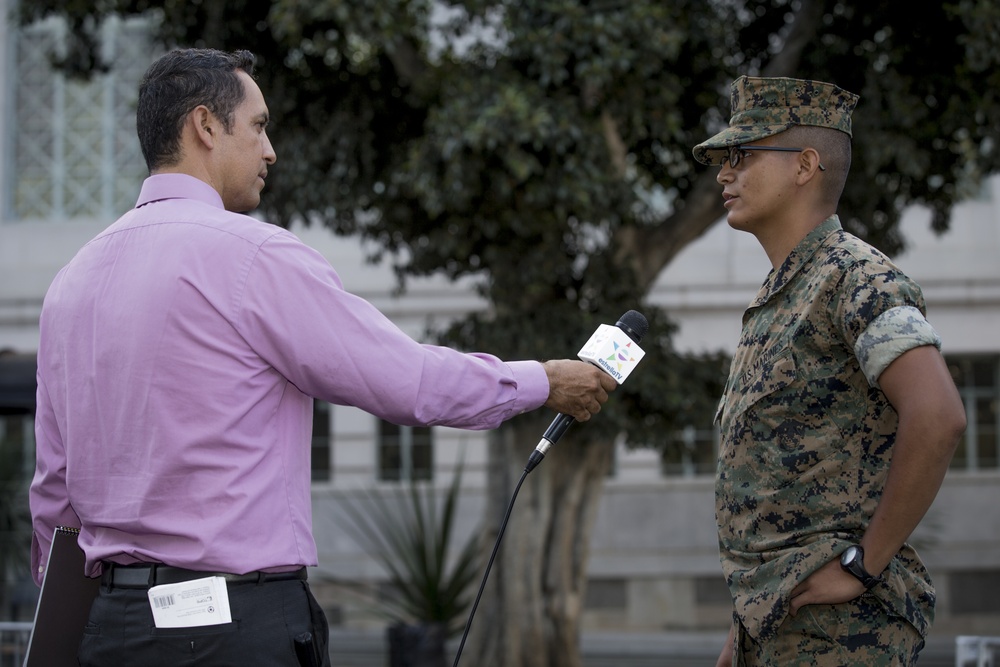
[809, 164]
[204, 125]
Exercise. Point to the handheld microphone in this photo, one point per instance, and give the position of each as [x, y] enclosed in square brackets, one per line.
[615, 350]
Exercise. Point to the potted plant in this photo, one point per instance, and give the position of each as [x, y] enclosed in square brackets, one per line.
[410, 537]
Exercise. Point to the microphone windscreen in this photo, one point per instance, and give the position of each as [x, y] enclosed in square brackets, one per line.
[634, 324]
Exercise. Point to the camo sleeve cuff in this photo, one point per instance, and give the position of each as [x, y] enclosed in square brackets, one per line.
[889, 335]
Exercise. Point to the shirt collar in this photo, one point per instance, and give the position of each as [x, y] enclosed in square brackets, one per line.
[159, 187]
[807, 247]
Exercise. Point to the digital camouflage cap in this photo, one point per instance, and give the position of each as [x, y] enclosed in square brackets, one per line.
[763, 107]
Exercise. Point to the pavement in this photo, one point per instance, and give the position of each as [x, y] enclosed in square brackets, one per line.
[366, 648]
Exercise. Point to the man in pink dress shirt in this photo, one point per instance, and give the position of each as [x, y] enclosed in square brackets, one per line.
[180, 353]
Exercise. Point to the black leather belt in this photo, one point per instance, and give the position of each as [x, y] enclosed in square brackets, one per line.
[147, 575]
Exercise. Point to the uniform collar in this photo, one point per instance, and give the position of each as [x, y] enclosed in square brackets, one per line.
[807, 247]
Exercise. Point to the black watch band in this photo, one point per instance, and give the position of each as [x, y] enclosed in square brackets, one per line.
[853, 562]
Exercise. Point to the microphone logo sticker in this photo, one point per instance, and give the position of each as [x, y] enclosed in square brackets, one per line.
[623, 354]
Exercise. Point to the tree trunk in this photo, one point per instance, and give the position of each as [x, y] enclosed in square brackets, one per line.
[530, 612]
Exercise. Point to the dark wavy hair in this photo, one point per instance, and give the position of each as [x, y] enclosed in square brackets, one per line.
[174, 85]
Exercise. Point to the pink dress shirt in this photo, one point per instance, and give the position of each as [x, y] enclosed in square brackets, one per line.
[179, 356]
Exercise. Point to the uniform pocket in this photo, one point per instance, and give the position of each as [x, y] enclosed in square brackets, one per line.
[769, 374]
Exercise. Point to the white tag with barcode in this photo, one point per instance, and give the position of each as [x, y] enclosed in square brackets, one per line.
[190, 603]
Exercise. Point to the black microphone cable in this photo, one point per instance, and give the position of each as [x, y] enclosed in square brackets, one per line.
[635, 326]
[489, 565]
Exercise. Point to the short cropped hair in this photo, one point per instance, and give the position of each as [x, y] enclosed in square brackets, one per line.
[834, 148]
[174, 85]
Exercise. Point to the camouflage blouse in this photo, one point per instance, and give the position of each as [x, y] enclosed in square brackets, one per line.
[807, 435]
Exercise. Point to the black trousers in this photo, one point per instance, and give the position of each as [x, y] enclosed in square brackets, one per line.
[267, 619]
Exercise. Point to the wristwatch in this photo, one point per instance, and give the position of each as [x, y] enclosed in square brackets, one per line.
[853, 561]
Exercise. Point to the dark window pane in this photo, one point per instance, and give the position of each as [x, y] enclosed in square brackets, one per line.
[984, 373]
[606, 594]
[390, 466]
[986, 432]
[975, 592]
[423, 463]
[322, 443]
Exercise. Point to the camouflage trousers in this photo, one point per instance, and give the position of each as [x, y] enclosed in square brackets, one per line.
[860, 632]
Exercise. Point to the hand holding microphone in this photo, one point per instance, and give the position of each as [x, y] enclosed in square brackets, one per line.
[577, 388]
[615, 351]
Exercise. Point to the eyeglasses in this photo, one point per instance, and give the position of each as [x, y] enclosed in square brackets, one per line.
[737, 153]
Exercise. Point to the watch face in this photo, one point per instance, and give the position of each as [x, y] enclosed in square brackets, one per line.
[849, 555]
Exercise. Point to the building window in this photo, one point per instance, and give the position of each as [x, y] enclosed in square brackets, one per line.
[606, 594]
[322, 441]
[975, 592]
[405, 453]
[76, 154]
[691, 452]
[712, 591]
[978, 382]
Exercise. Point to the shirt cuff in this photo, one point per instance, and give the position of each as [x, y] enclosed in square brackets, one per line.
[889, 335]
[532, 385]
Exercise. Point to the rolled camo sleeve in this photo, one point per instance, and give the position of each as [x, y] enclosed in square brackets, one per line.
[889, 335]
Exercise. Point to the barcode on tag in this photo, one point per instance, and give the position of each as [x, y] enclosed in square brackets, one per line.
[162, 601]
[189, 604]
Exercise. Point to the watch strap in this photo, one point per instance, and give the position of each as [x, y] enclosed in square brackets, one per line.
[856, 567]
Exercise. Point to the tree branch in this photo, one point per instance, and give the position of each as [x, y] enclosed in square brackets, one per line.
[801, 33]
[650, 249]
[406, 60]
[616, 147]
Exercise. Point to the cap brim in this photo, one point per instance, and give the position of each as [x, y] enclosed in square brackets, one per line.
[715, 151]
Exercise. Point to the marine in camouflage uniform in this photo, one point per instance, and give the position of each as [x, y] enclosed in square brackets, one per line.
[831, 318]
[807, 433]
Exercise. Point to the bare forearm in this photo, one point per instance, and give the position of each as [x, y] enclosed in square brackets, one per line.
[931, 421]
[920, 460]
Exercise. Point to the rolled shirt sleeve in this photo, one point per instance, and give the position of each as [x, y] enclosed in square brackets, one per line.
[889, 335]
